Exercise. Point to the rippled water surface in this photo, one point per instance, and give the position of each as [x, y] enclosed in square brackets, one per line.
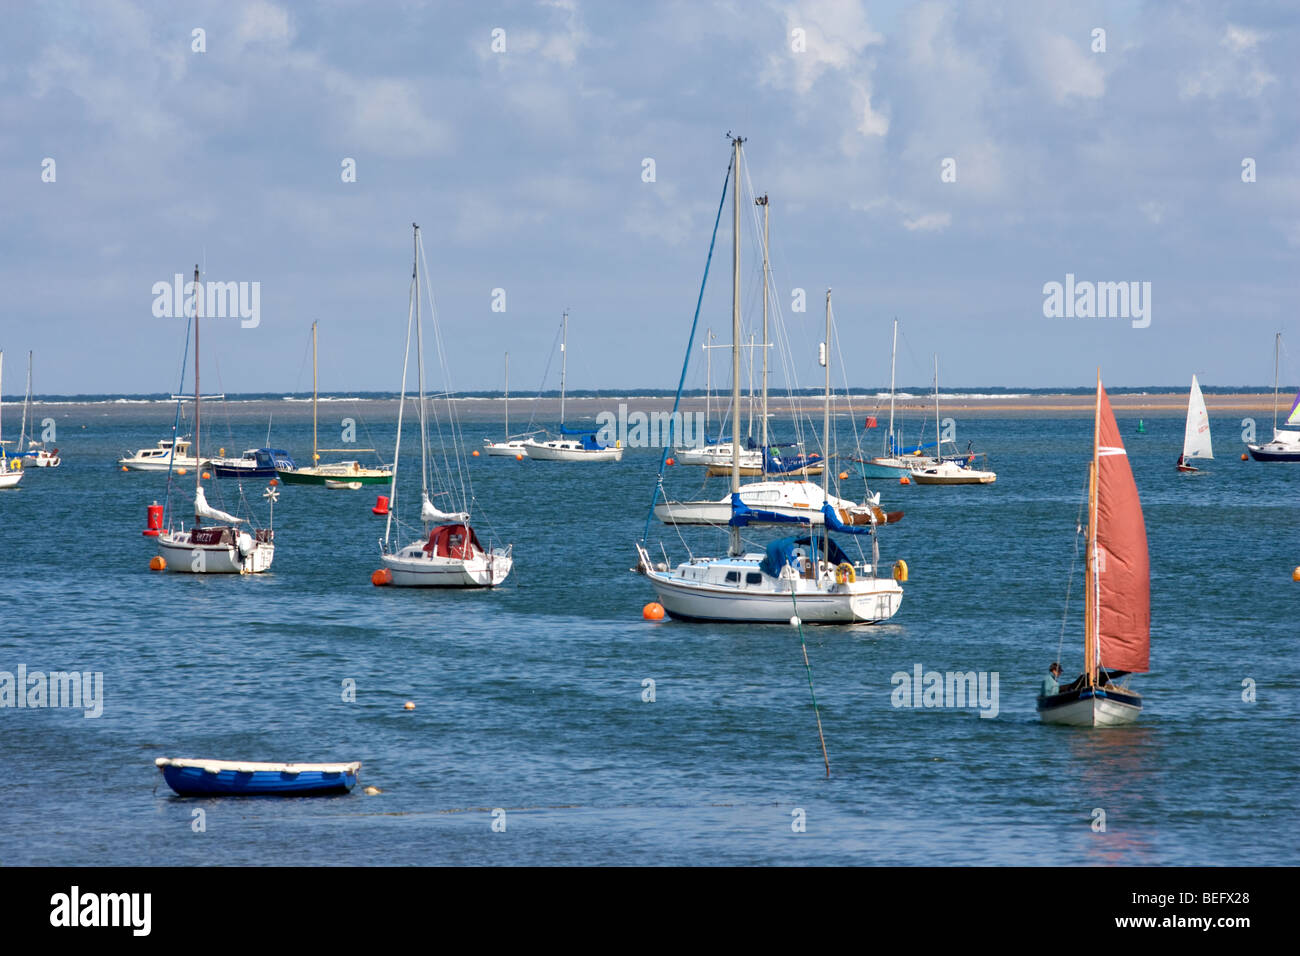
[529, 698]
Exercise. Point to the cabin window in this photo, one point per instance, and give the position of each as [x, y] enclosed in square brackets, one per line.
[753, 577]
[733, 577]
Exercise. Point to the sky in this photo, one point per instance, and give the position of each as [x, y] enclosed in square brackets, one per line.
[935, 162]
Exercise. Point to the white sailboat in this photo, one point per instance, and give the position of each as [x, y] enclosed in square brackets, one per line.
[223, 546]
[893, 463]
[718, 453]
[1285, 445]
[510, 447]
[34, 454]
[582, 445]
[806, 576]
[451, 556]
[1196, 436]
[10, 468]
[950, 470]
[167, 455]
[1117, 591]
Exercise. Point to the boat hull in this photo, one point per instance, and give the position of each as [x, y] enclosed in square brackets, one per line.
[366, 476]
[184, 556]
[979, 478]
[1274, 451]
[506, 449]
[10, 479]
[480, 571]
[548, 452]
[214, 778]
[865, 602]
[1091, 707]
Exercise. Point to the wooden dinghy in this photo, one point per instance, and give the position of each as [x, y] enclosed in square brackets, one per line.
[242, 778]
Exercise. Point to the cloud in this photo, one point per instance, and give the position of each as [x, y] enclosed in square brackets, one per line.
[929, 222]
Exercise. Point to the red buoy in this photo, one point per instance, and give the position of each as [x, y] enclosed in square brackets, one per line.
[381, 505]
[381, 577]
[154, 522]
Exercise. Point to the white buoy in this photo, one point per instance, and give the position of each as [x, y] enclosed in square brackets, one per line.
[794, 622]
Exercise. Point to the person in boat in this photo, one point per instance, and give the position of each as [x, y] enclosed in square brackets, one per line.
[1051, 683]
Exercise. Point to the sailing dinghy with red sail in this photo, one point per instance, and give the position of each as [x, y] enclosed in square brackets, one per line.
[1117, 604]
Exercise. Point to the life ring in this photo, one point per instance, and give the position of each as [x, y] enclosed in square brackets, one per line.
[844, 573]
[900, 571]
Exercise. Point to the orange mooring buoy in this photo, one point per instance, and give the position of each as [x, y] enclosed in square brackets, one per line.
[124, 468]
[381, 577]
[519, 457]
[844, 475]
[474, 453]
[1295, 575]
[654, 611]
[1244, 457]
[670, 462]
[180, 471]
[905, 480]
[206, 476]
[157, 563]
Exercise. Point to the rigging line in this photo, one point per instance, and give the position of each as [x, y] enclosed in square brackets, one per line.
[1078, 530]
[550, 357]
[180, 390]
[808, 669]
[690, 346]
[401, 405]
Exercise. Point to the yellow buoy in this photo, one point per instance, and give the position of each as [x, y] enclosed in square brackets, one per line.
[221, 453]
[900, 571]
[157, 563]
[409, 705]
[654, 611]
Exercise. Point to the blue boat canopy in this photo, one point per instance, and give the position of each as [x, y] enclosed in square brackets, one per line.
[742, 514]
[783, 552]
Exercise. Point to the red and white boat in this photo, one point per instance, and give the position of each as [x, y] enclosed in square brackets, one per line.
[1117, 602]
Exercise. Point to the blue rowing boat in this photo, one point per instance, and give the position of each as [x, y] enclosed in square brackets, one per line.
[242, 778]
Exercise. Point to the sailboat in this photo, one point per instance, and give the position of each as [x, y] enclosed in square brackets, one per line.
[336, 474]
[1196, 437]
[34, 454]
[583, 445]
[806, 576]
[10, 468]
[451, 556]
[1285, 445]
[718, 453]
[950, 470]
[1117, 586]
[222, 546]
[510, 447]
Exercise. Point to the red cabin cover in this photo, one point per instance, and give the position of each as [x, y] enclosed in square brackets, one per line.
[453, 541]
[1123, 569]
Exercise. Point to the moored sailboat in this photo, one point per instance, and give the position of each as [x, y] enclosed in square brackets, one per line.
[1117, 586]
[11, 469]
[508, 447]
[1285, 444]
[1196, 436]
[581, 444]
[452, 555]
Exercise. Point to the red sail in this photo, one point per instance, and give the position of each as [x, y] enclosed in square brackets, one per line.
[1123, 573]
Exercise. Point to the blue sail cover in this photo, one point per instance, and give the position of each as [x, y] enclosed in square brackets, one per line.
[742, 514]
[782, 552]
[587, 438]
[834, 523]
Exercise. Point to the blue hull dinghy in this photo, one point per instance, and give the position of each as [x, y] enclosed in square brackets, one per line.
[242, 778]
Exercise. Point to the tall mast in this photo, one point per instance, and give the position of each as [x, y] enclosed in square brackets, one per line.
[22, 433]
[826, 410]
[564, 360]
[419, 366]
[2, 405]
[1092, 612]
[749, 434]
[507, 396]
[315, 458]
[735, 334]
[401, 403]
[708, 377]
[893, 358]
[198, 472]
[762, 201]
[938, 449]
[1277, 347]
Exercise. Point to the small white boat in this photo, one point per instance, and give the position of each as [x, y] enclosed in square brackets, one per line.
[719, 455]
[1117, 588]
[161, 457]
[38, 456]
[505, 449]
[452, 556]
[952, 473]
[582, 445]
[1196, 436]
[1285, 444]
[343, 485]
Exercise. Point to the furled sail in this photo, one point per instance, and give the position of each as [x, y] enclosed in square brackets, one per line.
[204, 510]
[1119, 568]
[431, 514]
[1196, 439]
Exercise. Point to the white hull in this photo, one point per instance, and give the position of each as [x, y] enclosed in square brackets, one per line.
[156, 464]
[504, 449]
[951, 473]
[717, 455]
[10, 479]
[794, 499]
[183, 556]
[423, 571]
[570, 451]
[1093, 712]
[869, 601]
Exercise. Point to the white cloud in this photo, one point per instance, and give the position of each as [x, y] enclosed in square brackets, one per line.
[263, 22]
[1068, 67]
[928, 222]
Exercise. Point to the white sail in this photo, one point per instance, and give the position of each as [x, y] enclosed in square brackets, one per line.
[429, 513]
[204, 510]
[1196, 439]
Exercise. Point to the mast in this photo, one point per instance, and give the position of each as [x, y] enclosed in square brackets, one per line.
[750, 431]
[564, 361]
[401, 403]
[893, 358]
[735, 548]
[22, 433]
[938, 449]
[507, 396]
[826, 409]
[2, 405]
[1092, 612]
[708, 378]
[198, 472]
[315, 457]
[1277, 347]
[419, 366]
[762, 201]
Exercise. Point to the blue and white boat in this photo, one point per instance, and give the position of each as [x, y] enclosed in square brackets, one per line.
[254, 463]
[242, 778]
[583, 443]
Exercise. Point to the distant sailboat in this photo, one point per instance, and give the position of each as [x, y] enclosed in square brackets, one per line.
[34, 454]
[1117, 586]
[1196, 437]
[1285, 445]
[510, 447]
[584, 445]
[948, 470]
